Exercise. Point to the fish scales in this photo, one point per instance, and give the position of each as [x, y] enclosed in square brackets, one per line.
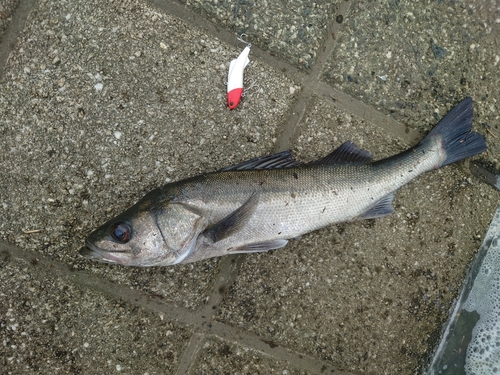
[299, 200]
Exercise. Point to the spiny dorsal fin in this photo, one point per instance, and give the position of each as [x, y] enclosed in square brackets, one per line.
[282, 159]
[347, 153]
[234, 221]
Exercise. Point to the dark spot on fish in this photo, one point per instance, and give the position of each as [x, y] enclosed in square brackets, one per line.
[407, 129]
[463, 81]
[279, 233]
[261, 182]
[271, 343]
[324, 208]
[339, 18]
[214, 307]
[334, 192]
[411, 170]
[295, 175]
[34, 261]
[293, 195]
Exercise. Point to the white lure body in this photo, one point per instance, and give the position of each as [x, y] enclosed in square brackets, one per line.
[235, 78]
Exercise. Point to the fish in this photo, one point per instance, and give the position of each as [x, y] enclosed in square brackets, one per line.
[259, 204]
[235, 78]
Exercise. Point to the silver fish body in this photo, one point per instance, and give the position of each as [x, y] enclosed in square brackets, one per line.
[260, 204]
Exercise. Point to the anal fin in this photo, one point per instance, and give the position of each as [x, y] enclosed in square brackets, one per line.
[382, 208]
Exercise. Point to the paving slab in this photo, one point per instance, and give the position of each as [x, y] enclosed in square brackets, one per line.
[293, 30]
[412, 59]
[102, 103]
[49, 325]
[368, 296]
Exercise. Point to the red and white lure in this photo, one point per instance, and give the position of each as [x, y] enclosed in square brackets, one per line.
[235, 78]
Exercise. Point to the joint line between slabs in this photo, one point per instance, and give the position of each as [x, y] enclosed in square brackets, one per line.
[190, 354]
[13, 31]
[202, 327]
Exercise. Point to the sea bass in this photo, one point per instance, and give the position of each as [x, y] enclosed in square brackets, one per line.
[259, 204]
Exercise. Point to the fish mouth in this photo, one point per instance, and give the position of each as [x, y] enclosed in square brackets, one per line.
[94, 253]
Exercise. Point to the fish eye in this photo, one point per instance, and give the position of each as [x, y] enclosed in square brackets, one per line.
[121, 232]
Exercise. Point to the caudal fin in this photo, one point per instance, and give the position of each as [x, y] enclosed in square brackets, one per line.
[455, 131]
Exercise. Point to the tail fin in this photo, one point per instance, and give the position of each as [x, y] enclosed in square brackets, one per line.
[457, 138]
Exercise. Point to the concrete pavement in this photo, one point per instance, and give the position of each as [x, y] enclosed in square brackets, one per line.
[102, 101]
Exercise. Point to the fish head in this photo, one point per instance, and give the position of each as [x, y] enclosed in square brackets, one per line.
[146, 235]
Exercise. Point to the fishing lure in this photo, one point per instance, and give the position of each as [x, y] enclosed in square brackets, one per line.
[235, 78]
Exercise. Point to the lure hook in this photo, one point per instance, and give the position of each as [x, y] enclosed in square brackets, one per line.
[245, 91]
[240, 38]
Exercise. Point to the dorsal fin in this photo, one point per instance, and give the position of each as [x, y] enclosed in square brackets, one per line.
[282, 159]
[347, 153]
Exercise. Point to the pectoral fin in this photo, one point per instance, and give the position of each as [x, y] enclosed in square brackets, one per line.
[234, 221]
[258, 247]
